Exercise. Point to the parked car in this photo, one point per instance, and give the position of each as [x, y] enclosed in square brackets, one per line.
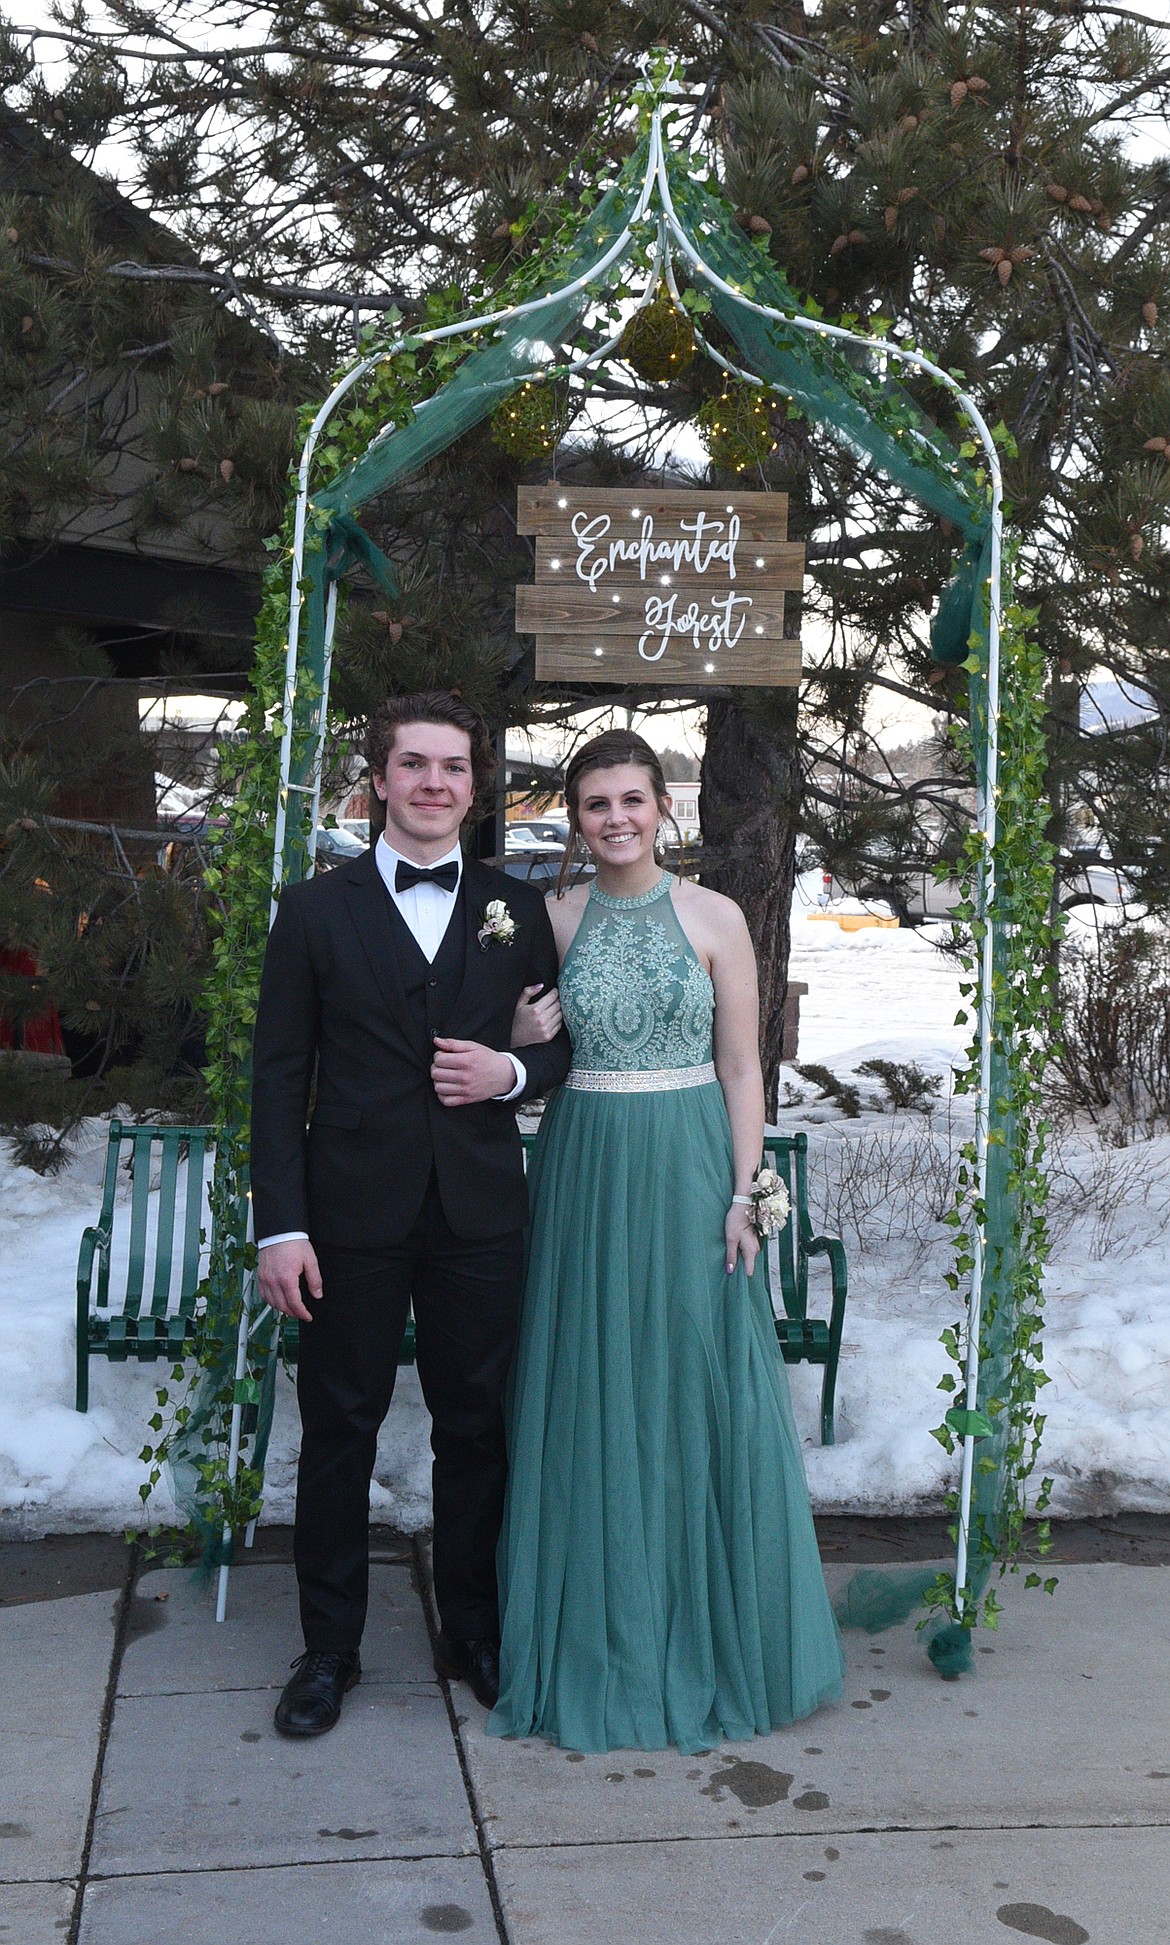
[915, 898]
[334, 845]
[919, 898]
[546, 830]
[534, 847]
[1095, 884]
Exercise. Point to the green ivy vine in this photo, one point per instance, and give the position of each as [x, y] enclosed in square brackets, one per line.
[1012, 1215]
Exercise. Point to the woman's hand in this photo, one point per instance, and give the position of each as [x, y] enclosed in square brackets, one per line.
[740, 1236]
[536, 1021]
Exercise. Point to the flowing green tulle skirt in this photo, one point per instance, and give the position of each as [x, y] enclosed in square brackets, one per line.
[659, 1573]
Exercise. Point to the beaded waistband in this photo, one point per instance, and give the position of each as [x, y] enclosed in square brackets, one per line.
[653, 1080]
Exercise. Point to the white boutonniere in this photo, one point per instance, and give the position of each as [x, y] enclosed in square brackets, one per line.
[498, 928]
[770, 1205]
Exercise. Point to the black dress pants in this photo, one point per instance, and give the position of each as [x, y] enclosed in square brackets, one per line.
[466, 1298]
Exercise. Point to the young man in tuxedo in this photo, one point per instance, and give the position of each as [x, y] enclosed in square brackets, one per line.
[387, 981]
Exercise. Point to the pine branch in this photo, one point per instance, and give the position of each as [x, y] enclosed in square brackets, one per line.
[224, 280]
[1138, 235]
[225, 60]
[1125, 100]
[1085, 8]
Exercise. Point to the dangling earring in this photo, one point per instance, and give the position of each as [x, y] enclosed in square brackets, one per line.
[660, 840]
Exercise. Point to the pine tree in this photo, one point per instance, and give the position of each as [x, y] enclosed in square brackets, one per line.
[135, 411]
[967, 176]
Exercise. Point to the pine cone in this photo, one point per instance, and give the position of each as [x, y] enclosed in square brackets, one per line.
[1003, 270]
[838, 244]
[188, 465]
[13, 236]
[959, 93]
[221, 385]
[977, 84]
[906, 195]
[1057, 191]
[1082, 203]
[908, 122]
[891, 215]
[801, 173]
[226, 468]
[993, 254]
[1157, 444]
[588, 41]
[1150, 313]
[759, 226]
[1136, 546]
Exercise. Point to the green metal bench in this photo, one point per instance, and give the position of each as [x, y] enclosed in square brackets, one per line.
[802, 1339]
[150, 1314]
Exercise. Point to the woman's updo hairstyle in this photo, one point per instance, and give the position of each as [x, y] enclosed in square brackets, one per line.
[610, 751]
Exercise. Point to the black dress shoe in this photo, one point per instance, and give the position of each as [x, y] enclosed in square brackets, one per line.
[311, 1702]
[475, 1662]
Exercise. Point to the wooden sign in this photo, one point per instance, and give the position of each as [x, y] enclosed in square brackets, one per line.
[666, 586]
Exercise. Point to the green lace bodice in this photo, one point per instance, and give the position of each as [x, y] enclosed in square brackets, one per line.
[635, 997]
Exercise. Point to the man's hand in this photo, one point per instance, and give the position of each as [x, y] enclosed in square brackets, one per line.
[464, 1072]
[281, 1268]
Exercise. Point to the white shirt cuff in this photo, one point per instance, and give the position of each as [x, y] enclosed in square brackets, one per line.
[285, 1236]
[521, 1072]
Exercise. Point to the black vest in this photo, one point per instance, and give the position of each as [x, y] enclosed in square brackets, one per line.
[432, 986]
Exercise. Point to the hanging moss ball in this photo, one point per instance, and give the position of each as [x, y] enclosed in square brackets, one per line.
[532, 421]
[658, 342]
[736, 427]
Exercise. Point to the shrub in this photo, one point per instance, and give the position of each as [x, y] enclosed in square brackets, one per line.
[1113, 1057]
[907, 1085]
[842, 1093]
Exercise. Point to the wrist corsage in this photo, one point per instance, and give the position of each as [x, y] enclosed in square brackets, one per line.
[768, 1203]
[498, 928]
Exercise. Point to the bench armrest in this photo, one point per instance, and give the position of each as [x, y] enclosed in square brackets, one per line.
[834, 1249]
[94, 1242]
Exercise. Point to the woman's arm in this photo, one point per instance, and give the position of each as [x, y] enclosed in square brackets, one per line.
[737, 1065]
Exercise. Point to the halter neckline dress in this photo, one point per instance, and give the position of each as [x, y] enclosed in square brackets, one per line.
[659, 1574]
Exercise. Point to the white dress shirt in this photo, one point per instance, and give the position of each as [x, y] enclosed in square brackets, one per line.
[427, 910]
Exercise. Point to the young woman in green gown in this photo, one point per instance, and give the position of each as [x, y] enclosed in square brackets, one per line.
[659, 1575]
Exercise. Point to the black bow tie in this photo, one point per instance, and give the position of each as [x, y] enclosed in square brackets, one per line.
[446, 876]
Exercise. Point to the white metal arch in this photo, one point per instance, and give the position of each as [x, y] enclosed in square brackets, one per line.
[671, 235]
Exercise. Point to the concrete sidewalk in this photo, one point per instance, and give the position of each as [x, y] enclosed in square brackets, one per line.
[146, 1796]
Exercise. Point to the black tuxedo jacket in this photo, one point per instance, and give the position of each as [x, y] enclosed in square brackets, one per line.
[334, 1002]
